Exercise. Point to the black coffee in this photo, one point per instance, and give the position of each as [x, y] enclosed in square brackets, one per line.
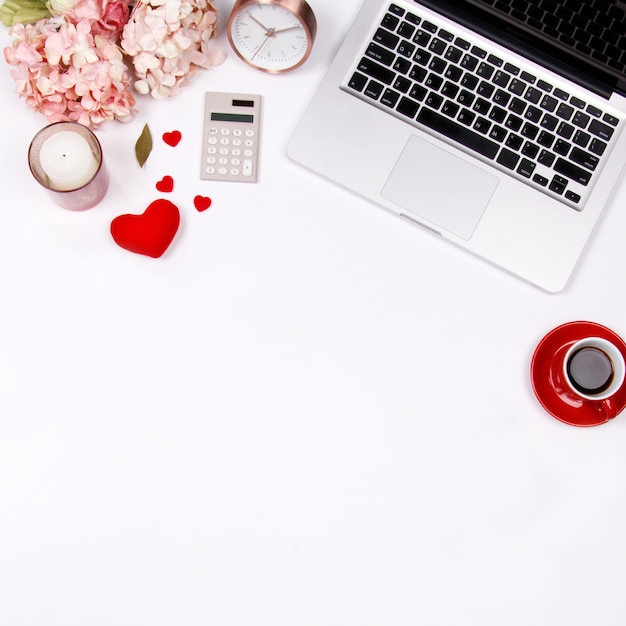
[590, 370]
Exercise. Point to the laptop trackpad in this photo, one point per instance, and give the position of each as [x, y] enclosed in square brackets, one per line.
[439, 187]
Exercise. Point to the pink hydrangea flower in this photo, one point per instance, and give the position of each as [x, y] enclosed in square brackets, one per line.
[167, 41]
[66, 72]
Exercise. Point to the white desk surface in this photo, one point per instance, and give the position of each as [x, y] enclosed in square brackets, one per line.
[307, 412]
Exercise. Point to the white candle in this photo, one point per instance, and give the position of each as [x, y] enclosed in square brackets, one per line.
[67, 160]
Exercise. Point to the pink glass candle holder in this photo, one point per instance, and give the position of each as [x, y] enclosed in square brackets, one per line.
[66, 159]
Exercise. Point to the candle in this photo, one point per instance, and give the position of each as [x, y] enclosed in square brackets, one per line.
[67, 160]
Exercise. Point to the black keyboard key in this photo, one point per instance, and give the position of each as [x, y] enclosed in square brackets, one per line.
[610, 119]
[558, 185]
[380, 54]
[584, 158]
[501, 78]
[482, 125]
[450, 89]
[562, 95]
[601, 130]
[526, 168]
[508, 159]
[457, 132]
[533, 95]
[407, 107]
[406, 48]
[453, 73]
[389, 98]
[390, 21]
[469, 81]
[517, 86]
[437, 65]
[437, 46]
[545, 139]
[394, 8]
[406, 30]
[494, 60]
[540, 180]
[533, 114]
[485, 70]
[434, 82]
[513, 122]
[529, 130]
[595, 111]
[548, 103]
[469, 62]
[373, 90]
[485, 89]
[421, 38]
[461, 43]
[418, 93]
[450, 108]
[387, 39]
[577, 102]
[466, 117]
[501, 97]
[453, 54]
[434, 100]
[565, 130]
[530, 150]
[498, 133]
[377, 71]
[511, 69]
[561, 147]
[479, 52]
[357, 82]
[572, 197]
[597, 146]
[542, 84]
[514, 141]
[418, 74]
[546, 158]
[402, 65]
[444, 34]
[572, 171]
[565, 111]
[410, 17]
[422, 57]
[581, 138]
[517, 106]
[549, 122]
[402, 84]
[429, 26]
[581, 119]
[482, 106]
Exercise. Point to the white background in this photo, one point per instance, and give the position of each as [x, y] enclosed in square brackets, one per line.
[307, 412]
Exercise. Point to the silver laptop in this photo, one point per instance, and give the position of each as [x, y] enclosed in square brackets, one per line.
[497, 124]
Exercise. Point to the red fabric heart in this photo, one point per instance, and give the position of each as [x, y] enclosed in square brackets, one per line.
[149, 233]
[172, 138]
[166, 184]
[202, 203]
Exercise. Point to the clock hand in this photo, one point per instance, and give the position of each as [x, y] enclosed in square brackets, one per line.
[268, 35]
[265, 28]
[282, 30]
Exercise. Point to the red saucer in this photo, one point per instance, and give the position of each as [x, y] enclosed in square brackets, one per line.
[545, 373]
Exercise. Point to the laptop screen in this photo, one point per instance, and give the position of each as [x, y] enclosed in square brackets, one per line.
[584, 40]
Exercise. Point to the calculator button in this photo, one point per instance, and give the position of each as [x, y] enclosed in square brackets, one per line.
[211, 160]
[225, 131]
[212, 141]
[235, 162]
[224, 141]
[210, 170]
[213, 131]
[249, 133]
[248, 143]
[236, 152]
[247, 167]
[236, 142]
[234, 172]
[248, 153]
[222, 170]
[211, 150]
[224, 151]
[237, 132]
[223, 161]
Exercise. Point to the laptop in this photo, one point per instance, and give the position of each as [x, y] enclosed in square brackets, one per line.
[496, 124]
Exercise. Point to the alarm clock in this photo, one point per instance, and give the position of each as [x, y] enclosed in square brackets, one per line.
[272, 35]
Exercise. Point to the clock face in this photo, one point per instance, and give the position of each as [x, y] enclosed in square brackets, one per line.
[269, 37]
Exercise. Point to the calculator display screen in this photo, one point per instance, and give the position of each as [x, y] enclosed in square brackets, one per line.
[232, 117]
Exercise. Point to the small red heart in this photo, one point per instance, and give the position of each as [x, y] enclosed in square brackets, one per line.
[149, 233]
[172, 138]
[166, 184]
[202, 203]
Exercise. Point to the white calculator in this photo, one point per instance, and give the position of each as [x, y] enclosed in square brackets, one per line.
[230, 144]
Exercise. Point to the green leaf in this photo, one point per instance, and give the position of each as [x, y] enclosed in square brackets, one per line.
[143, 147]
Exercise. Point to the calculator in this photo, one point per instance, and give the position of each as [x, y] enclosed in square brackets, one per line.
[230, 143]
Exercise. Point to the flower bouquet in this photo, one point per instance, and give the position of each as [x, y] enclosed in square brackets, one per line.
[79, 60]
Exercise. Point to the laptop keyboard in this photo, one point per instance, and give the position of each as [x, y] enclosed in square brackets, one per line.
[431, 77]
